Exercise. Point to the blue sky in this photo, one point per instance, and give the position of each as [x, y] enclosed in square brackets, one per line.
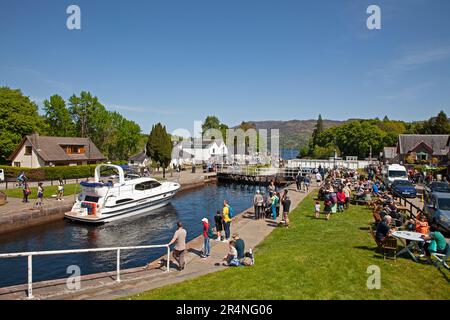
[179, 61]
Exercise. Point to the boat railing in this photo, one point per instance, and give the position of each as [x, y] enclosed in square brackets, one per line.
[118, 250]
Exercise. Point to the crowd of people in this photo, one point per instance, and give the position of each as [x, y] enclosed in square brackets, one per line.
[23, 183]
[218, 230]
[388, 218]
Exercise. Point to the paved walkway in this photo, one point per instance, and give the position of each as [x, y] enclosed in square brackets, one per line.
[133, 281]
[185, 178]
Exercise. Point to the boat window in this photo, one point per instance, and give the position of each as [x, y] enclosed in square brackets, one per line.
[123, 200]
[155, 184]
[91, 199]
[147, 185]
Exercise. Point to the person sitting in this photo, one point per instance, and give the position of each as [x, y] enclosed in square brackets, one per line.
[419, 224]
[437, 243]
[231, 257]
[239, 245]
[375, 190]
[383, 230]
[397, 217]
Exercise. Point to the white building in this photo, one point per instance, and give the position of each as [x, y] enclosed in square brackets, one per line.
[199, 151]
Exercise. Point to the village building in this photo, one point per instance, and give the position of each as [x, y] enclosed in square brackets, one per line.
[423, 148]
[389, 155]
[35, 151]
[198, 151]
[140, 160]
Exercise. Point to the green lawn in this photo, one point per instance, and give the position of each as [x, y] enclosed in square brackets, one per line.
[69, 189]
[316, 259]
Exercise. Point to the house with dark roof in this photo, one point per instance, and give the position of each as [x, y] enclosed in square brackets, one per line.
[423, 148]
[35, 151]
[389, 155]
[199, 151]
[140, 159]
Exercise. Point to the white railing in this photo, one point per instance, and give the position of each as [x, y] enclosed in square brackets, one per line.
[58, 252]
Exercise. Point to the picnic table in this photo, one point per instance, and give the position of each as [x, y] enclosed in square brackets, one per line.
[414, 237]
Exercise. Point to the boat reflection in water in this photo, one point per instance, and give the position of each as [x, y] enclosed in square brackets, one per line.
[155, 227]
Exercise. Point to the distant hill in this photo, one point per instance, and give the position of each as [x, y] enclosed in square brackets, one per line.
[294, 134]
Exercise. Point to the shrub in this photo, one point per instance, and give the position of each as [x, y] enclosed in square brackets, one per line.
[50, 173]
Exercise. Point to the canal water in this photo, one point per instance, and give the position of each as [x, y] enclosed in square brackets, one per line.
[156, 227]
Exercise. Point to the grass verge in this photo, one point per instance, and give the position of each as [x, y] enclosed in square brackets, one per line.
[49, 191]
[316, 259]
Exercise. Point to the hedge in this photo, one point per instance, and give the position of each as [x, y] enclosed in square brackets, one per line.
[52, 173]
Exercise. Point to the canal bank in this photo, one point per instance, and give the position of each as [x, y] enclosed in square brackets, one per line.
[135, 280]
[16, 215]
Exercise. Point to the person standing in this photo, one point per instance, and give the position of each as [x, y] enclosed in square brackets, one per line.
[26, 192]
[258, 201]
[307, 182]
[340, 200]
[179, 238]
[298, 180]
[286, 207]
[206, 244]
[226, 219]
[273, 204]
[347, 193]
[218, 221]
[317, 209]
[60, 190]
[271, 188]
[318, 179]
[40, 195]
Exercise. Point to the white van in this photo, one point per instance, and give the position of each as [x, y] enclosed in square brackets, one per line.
[2, 175]
[395, 172]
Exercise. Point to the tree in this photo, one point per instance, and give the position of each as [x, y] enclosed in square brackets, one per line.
[317, 131]
[58, 117]
[87, 112]
[440, 124]
[319, 126]
[212, 122]
[159, 146]
[124, 138]
[18, 117]
[435, 125]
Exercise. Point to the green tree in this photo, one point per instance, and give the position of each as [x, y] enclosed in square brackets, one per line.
[58, 117]
[159, 146]
[212, 122]
[319, 127]
[18, 117]
[440, 124]
[124, 138]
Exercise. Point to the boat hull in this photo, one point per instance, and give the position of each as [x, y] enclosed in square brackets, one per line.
[121, 213]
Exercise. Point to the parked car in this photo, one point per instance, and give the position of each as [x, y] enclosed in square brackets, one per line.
[403, 188]
[437, 209]
[437, 186]
[2, 175]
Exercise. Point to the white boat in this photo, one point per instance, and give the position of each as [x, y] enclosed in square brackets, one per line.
[120, 197]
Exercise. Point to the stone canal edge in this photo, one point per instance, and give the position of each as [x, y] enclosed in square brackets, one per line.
[103, 286]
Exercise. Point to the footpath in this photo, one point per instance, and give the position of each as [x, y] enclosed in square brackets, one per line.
[103, 286]
[16, 215]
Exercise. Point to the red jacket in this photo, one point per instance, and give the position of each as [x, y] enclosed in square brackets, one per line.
[341, 196]
[205, 228]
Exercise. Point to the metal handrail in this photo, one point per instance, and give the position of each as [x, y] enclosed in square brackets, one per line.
[57, 252]
[411, 205]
